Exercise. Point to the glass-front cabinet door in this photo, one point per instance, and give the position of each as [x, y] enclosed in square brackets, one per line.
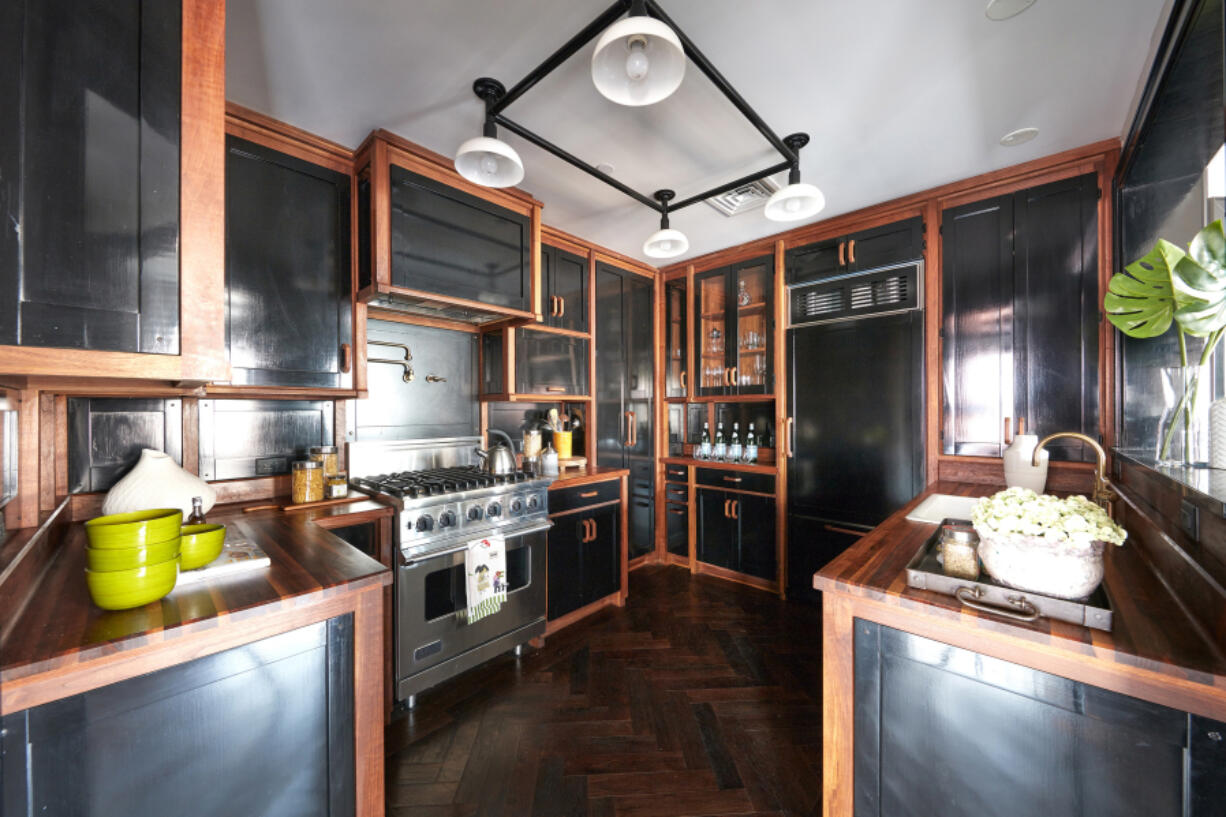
[752, 299]
[676, 379]
[711, 333]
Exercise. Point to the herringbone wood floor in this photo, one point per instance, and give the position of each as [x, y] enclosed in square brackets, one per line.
[699, 698]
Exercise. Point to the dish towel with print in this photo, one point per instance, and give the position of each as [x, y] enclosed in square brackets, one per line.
[485, 565]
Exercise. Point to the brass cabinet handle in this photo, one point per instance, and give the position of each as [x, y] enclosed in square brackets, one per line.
[683, 379]
[727, 512]
[588, 494]
[732, 479]
[856, 533]
[634, 430]
[626, 442]
[595, 530]
[555, 389]
[736, 509]
[851, 251]
[678, 511]
[841, 261]
[1019, 610]
[561, 306]
[346, 358]
[788, 425]
[727, 377]
[733, 382]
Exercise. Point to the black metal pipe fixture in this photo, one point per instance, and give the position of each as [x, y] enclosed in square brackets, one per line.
[648, 67]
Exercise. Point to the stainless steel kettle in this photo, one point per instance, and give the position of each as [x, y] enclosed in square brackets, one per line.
[499, 458]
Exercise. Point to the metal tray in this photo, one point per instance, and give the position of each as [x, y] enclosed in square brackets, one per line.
[924, 572]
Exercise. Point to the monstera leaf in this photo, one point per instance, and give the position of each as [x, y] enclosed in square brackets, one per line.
[1141, 301]
[1199, 279]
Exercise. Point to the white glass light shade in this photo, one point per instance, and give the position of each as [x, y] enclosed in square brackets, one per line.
[666, 243]
[638, 61]
[794, 202]
[489, 162]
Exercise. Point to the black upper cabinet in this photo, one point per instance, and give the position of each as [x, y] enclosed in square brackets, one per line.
[448, 242]
[550, 363]
[734, 310]
[676, 379]
[89, 174]
[565, 279]
[868, 249]
[1020, 292]
[625, 391]
[288, 280]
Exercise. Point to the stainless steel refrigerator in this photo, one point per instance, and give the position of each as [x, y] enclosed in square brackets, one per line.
[856, 402]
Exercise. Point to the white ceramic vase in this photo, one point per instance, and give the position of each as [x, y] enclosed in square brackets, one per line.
[157, 481]
[1019, 473]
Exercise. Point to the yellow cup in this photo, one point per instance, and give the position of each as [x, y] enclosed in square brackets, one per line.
[562, 442]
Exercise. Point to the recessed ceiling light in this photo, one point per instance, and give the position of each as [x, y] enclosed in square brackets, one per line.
[1004, 9]
[1018, 137]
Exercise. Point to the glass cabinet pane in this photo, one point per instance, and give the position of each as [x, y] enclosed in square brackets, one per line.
[752, 363]
[676, 381]
[711, 340]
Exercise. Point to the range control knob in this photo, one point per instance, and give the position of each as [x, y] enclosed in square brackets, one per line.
[474, 513]
[534, 503]
[494, 510]
[517, 506]
[425, 522]
[446, 519]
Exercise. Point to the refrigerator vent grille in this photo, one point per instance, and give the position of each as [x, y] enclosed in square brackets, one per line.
[886, 290]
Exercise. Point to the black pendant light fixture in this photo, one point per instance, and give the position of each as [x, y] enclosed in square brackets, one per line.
[639, 60]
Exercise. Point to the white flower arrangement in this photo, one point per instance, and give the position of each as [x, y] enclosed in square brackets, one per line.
[1073, 521]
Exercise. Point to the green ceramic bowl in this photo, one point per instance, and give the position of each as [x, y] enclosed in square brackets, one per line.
[200, 545]
[136, 529]
[124, 589]
[103, 560]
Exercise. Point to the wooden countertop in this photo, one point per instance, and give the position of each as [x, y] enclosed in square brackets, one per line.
[60, 628]
[573, 477]
[1155, 650]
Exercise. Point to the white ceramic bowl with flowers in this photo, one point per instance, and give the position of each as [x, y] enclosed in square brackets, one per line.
[1042, 543]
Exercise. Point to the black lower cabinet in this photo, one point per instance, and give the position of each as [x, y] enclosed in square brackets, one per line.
[812, 543]
[941, 730]
[261, 730]
[677, 528]
[737, 531]
[584, 558]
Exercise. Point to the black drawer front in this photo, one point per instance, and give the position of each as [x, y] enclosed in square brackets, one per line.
[676, 493]
[567, 499]
[736, 480]
[676, 473]
[677, 525]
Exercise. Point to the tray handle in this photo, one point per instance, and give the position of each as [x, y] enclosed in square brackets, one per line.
[1020, 609]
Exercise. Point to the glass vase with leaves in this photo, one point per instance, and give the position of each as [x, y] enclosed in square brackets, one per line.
[1166, 287]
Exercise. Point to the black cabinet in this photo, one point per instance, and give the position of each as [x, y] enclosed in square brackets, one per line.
[565, 280]
[89, 174]
[450, 243]
[289, 304]
[261, 730]
[584, 558]
[942, 730]
[676, 379]
[1021, 306]
[625, 390]
[734, 321]
[882, 246]
[677, 528]
[736, 531]
[812, 543]
[550, 363]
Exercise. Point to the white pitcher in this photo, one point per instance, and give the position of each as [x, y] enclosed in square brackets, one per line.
[1019, 473]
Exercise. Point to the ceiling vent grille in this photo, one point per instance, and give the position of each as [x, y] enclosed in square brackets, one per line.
[744, 198]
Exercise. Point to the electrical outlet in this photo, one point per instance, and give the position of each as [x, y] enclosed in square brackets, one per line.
[1189, 519]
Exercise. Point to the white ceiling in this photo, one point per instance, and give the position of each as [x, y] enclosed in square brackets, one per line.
[897, 95]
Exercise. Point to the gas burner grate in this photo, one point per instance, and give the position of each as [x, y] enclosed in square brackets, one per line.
[437, 481]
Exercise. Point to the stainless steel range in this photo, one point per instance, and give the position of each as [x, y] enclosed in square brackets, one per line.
[446, 501]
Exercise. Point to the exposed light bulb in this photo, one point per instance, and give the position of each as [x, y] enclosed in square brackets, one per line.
[637, 62]
[792, 205]
[489, 164]
[665, 246]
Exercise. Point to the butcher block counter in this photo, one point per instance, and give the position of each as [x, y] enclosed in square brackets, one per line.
[1155, 653]
[55, 644]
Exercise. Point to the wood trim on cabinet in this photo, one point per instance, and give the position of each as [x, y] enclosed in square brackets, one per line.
[46, 452]
[625, 540]
[624, 262]
[382, 314]
[933, 343]
[705, 569]
[566, 242]
[660, 422]
[285, 138]
[537, 292]
[781, 414]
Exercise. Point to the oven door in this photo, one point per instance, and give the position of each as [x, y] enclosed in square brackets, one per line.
[431, 602]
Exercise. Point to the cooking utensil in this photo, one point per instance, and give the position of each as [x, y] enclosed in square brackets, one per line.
[499, 458]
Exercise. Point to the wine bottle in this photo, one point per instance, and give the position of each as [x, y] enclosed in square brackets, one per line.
[721, 449]
[704, 449]
[197, 514]
[734, 447]
[751, 446]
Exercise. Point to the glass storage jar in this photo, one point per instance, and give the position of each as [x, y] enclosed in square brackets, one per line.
[307, 483]
[337, 486]
[326, 455]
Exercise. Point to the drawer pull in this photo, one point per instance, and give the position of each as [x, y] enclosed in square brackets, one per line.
[678, 511]
[857, 533]
[732, 479]
[588, 494]
[1019, 608]
[555, 389]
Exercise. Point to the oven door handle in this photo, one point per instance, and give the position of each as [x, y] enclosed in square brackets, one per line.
[507, 534]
